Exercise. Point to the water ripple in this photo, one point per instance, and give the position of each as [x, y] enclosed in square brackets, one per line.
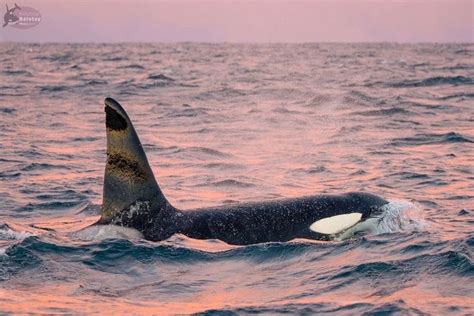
[434, 81]
[432, 139]
[223, 123]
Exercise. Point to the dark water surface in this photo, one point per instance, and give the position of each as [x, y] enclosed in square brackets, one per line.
[227, 123]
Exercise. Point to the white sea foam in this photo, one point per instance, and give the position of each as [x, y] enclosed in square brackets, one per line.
[8, 234]
[397, 216]
[101, 232]
[400, 216]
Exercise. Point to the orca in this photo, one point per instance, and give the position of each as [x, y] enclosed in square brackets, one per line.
[132, 199]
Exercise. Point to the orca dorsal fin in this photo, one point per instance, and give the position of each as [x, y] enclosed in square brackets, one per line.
[128, 180]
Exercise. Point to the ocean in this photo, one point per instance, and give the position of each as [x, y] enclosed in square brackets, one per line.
[227, 123]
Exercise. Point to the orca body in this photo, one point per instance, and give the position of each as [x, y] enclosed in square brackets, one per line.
[133, 199]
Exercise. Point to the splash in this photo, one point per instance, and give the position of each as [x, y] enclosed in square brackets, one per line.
[103, 232]
[400, 216]
[397, 216]
[115, 230]
[7, 235]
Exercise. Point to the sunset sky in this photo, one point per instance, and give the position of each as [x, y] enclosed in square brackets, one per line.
[247, 21]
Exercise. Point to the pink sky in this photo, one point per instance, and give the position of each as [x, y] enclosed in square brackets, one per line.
[248, 21]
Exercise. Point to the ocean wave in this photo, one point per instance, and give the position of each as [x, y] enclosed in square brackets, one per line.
[11, 174]
[304, 309]
[115, 58]
[133, 66]
[55, 57]
[7, 110]
[453, 254]
[311, 170]
[433, 81]
[228, 183]
[16, 259]
[444, 263]
[219, 94]
[35, 166]
[17, 73]
[53, 88]
[85, 139]
[432, 139]
[187, 111]
[304, 119]
[223, 166]
[457, 96]
[200, 151]
[6, 233]
[160, 77]
[96, 82]
[359, 98]
[320, 99]
[71, 203]
[384, 112]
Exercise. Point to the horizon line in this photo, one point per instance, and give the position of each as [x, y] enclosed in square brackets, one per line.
[237, 42]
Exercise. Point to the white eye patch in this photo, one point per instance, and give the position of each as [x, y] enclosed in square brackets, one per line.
[335, 224]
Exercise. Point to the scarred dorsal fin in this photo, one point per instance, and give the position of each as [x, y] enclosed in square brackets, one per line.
[129, 184]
